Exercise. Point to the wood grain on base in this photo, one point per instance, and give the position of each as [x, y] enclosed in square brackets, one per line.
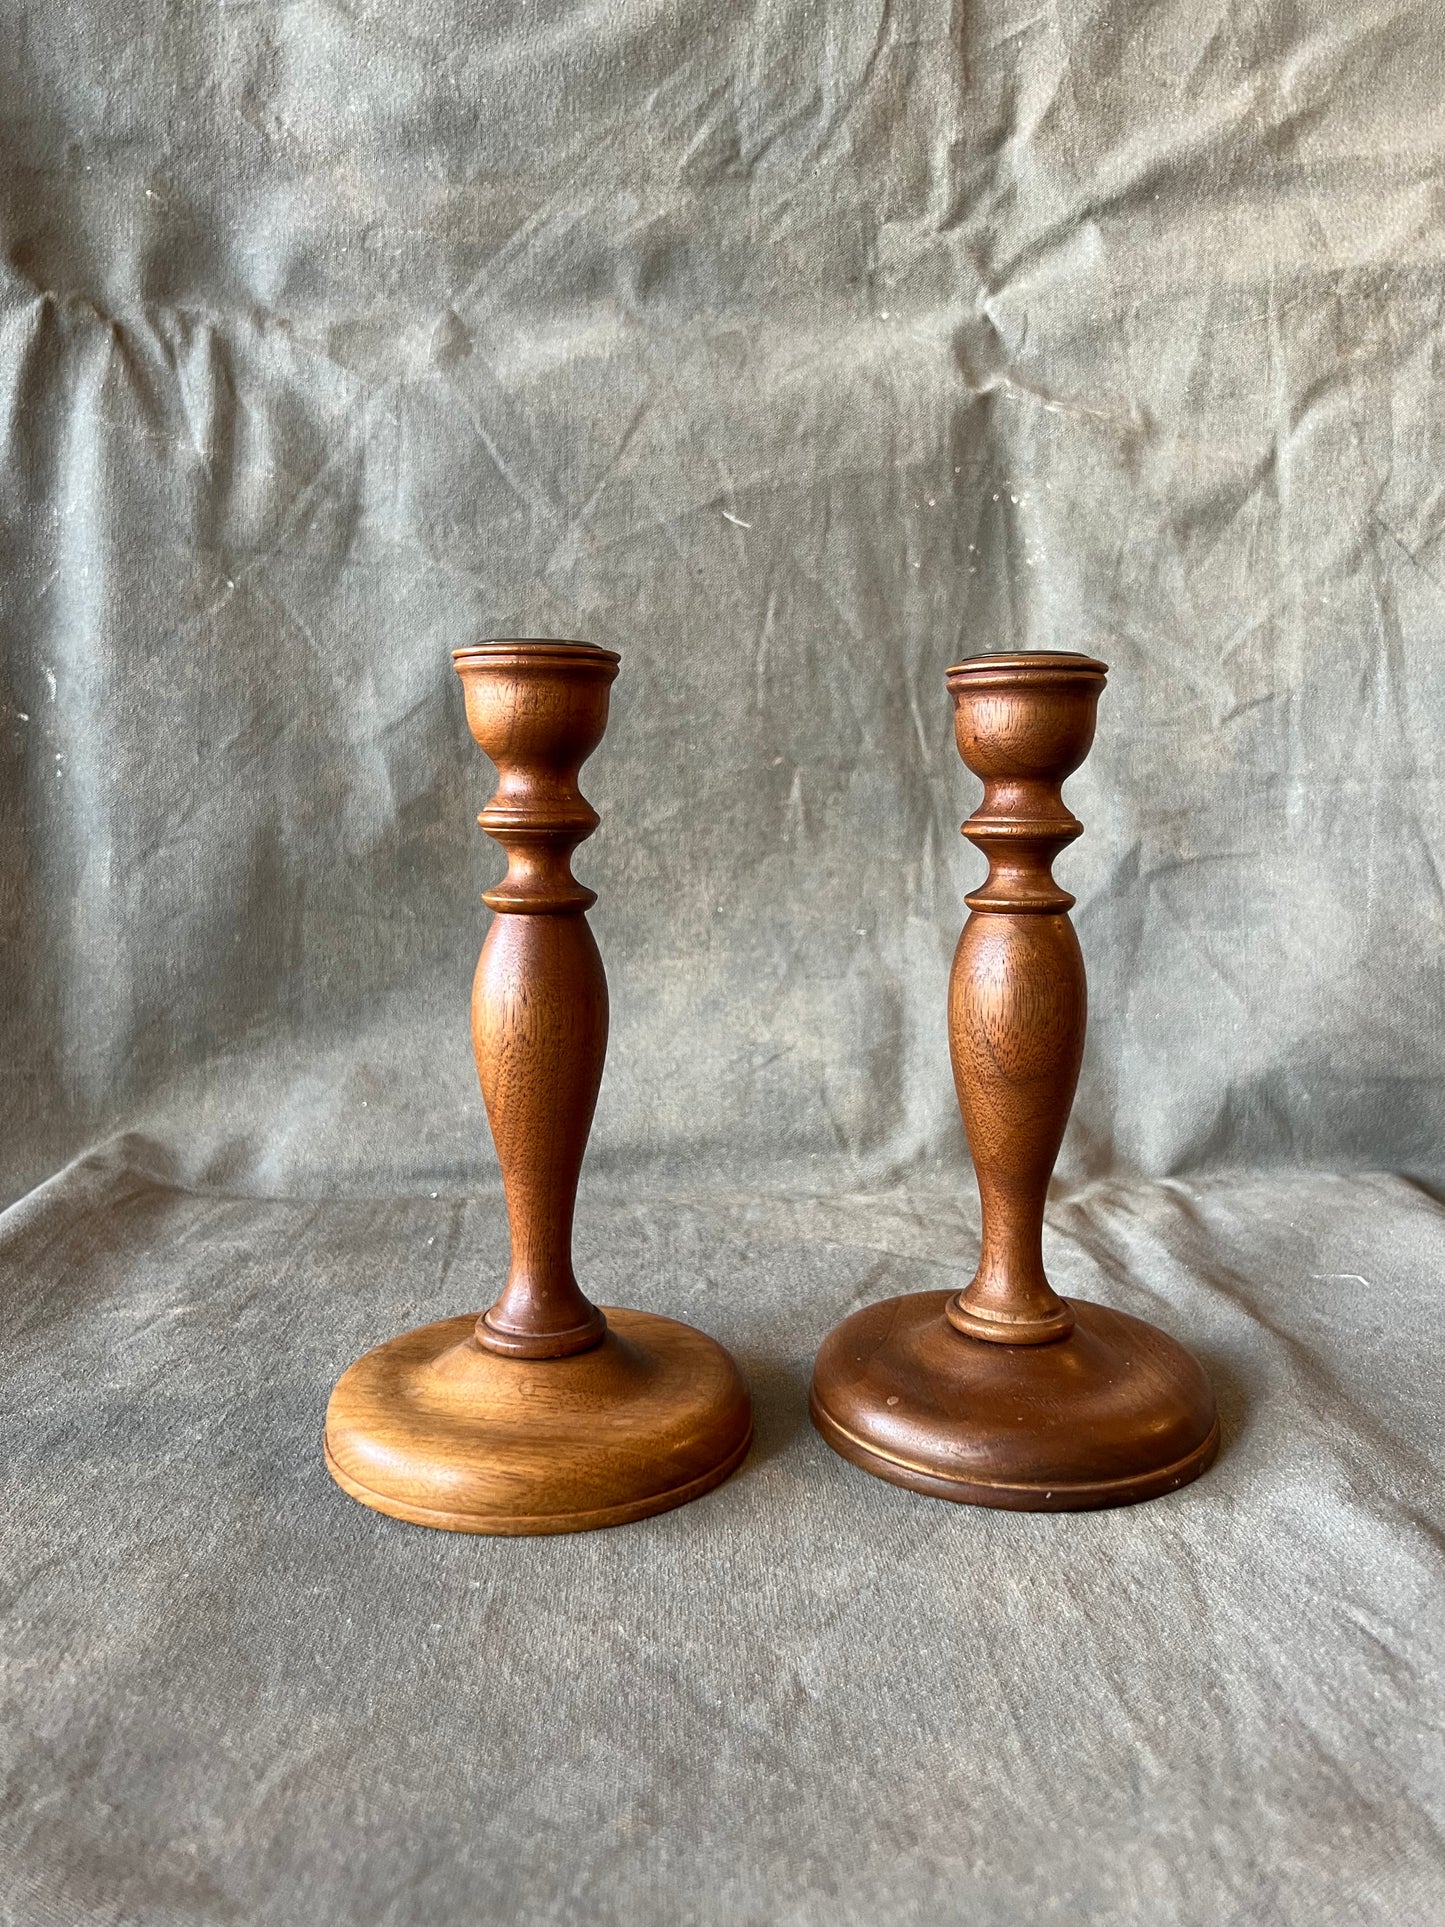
[1006, 1394]
[544, 1414]
[1114, 1413]
[433, 1428]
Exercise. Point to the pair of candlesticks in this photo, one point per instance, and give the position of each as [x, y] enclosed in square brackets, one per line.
[551, 1414]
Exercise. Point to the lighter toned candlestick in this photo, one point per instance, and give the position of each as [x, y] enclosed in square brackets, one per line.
[546, 1413]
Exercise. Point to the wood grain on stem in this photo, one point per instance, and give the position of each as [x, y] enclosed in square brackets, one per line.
[1005, 1393]
[546, 1414]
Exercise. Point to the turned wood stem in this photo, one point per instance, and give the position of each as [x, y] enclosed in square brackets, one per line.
[1017, 1001]
[539, 999]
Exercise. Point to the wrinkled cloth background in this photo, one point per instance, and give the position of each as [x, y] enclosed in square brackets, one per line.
[795, 352]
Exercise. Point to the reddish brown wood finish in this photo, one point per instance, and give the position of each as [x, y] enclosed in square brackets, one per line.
[539, 999]
[1017, 1001]
[545, 1414]
[1006, 1394]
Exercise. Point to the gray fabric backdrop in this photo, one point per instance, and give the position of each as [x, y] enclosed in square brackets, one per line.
[795, 351]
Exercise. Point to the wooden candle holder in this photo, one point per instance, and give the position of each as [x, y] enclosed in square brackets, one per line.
[1005, 1394]
[546, 1413]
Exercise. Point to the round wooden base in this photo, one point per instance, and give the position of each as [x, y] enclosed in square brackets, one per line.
[1114, 1413]
[433, 1428]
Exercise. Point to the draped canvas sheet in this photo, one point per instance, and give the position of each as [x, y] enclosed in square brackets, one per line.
[807, 1700]
[795, 351]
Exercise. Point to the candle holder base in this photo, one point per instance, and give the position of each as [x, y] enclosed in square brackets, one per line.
[1114, 1413]
[433, 1428]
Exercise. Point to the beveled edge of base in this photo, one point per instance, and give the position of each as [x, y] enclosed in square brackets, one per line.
[1094, 1496]
[536, 1524]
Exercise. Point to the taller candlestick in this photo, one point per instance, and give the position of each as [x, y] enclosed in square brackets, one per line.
[546, 1413]
[1006, 1394]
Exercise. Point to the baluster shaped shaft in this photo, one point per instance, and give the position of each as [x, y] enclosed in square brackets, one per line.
[542, 1415]
[1017, 1001]
[539, 999]
[1066, 1404]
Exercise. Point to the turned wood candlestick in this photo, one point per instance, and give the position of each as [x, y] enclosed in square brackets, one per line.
[1006, 1394]
[546, 1413]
